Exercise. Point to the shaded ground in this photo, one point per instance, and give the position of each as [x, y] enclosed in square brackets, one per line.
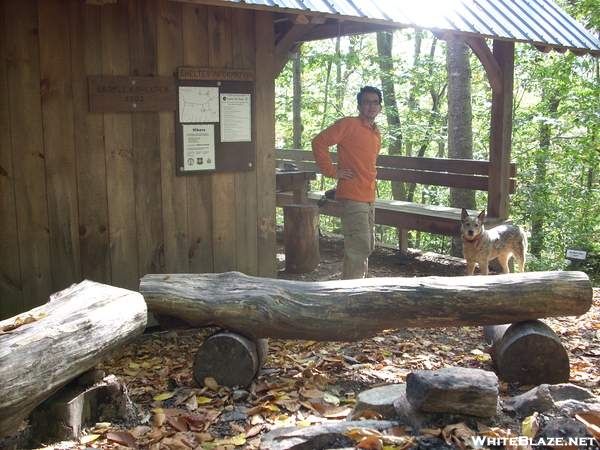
[384, 262]
[306, 382]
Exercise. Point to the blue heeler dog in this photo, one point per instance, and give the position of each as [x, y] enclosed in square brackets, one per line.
[481, 245]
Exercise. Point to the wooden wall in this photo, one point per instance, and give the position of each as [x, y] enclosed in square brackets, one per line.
[95, 196]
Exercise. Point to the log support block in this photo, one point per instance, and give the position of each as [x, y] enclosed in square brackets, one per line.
[80, 404]
[301, 237]
[231, 359]
[528, 352]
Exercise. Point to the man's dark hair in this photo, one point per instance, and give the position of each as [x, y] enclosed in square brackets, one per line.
[365, 89]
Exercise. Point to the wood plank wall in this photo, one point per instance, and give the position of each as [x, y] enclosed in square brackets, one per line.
[95, 195]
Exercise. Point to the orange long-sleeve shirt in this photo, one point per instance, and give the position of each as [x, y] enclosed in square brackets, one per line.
[358, 144]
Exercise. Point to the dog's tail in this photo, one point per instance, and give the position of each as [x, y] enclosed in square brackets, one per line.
[521, 252]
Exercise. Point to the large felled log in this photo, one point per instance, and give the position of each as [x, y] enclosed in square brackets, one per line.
[64, 338]
[353, 309]
[528, 352]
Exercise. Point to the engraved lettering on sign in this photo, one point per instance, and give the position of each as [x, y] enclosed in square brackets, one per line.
[128, 94]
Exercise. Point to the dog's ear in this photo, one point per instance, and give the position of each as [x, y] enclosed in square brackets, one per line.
[482, 215]
[464, 214]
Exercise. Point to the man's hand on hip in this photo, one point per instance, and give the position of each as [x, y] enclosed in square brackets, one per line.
[345, 174]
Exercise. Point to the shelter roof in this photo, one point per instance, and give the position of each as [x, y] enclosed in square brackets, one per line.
[541, 23]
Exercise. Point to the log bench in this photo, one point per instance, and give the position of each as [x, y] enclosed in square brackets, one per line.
[445, 220]
[253, 309]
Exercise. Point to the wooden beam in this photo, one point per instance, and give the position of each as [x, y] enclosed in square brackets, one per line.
[331, 30]
[501, 132]
[492, 69]
[288, 42]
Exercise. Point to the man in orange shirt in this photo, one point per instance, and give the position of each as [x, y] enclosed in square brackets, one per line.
[358, 143]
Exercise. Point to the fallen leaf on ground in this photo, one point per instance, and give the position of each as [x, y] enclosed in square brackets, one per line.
[122, 437]
[592, 423]
[164, 396]
[88, 438]
[178, 423]
[530, 425]
[211, 383]
[371, 443]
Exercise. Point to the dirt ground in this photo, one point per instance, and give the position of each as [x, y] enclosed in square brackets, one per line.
[384, 262]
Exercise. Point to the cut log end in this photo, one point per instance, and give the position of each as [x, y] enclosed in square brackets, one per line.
[528, 353]
[229, 358]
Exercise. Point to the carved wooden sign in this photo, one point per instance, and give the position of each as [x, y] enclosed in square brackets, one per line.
[202, 73]
[131, 94]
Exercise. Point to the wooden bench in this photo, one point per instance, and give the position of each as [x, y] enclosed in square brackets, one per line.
[445, 220]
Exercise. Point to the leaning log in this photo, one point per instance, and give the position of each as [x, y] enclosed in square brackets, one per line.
[528, 352]
[348, 310]
[43, 349]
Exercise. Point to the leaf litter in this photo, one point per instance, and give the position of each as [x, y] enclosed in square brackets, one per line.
[306, 383]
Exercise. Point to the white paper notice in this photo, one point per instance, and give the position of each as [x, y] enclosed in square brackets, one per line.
[198, 104]
[199, 147]
[236, 118]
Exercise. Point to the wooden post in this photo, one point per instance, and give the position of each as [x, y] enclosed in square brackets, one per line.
[301, 237]
[403, 240]
[528, 352]
[265, 142]
[500, 131]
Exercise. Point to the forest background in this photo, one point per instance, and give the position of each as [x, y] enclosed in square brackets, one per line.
[555, 140]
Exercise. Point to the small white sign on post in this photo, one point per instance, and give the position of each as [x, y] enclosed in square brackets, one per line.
[579, 255]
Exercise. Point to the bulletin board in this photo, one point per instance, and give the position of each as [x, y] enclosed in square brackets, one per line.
[214, 122]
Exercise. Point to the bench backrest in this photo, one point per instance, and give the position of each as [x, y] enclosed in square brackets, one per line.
[458, 173]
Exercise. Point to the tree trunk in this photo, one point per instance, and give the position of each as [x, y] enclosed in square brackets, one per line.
[437, 95]
[62, 339]
[539, 198]
[385, 41]
[528, 353]
[348, 310]
[339, 85]
[297, 101]
[460, 117]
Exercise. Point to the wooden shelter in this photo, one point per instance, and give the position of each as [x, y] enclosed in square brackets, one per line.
[91, 177]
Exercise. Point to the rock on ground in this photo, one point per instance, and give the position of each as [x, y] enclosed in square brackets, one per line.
[454, 390]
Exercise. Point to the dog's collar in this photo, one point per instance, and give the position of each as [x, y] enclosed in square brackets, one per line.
[475, 240]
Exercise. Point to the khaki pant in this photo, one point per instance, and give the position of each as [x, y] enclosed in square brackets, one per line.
[358, 222]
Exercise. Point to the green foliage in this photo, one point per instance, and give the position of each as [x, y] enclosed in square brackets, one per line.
[558, 184]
